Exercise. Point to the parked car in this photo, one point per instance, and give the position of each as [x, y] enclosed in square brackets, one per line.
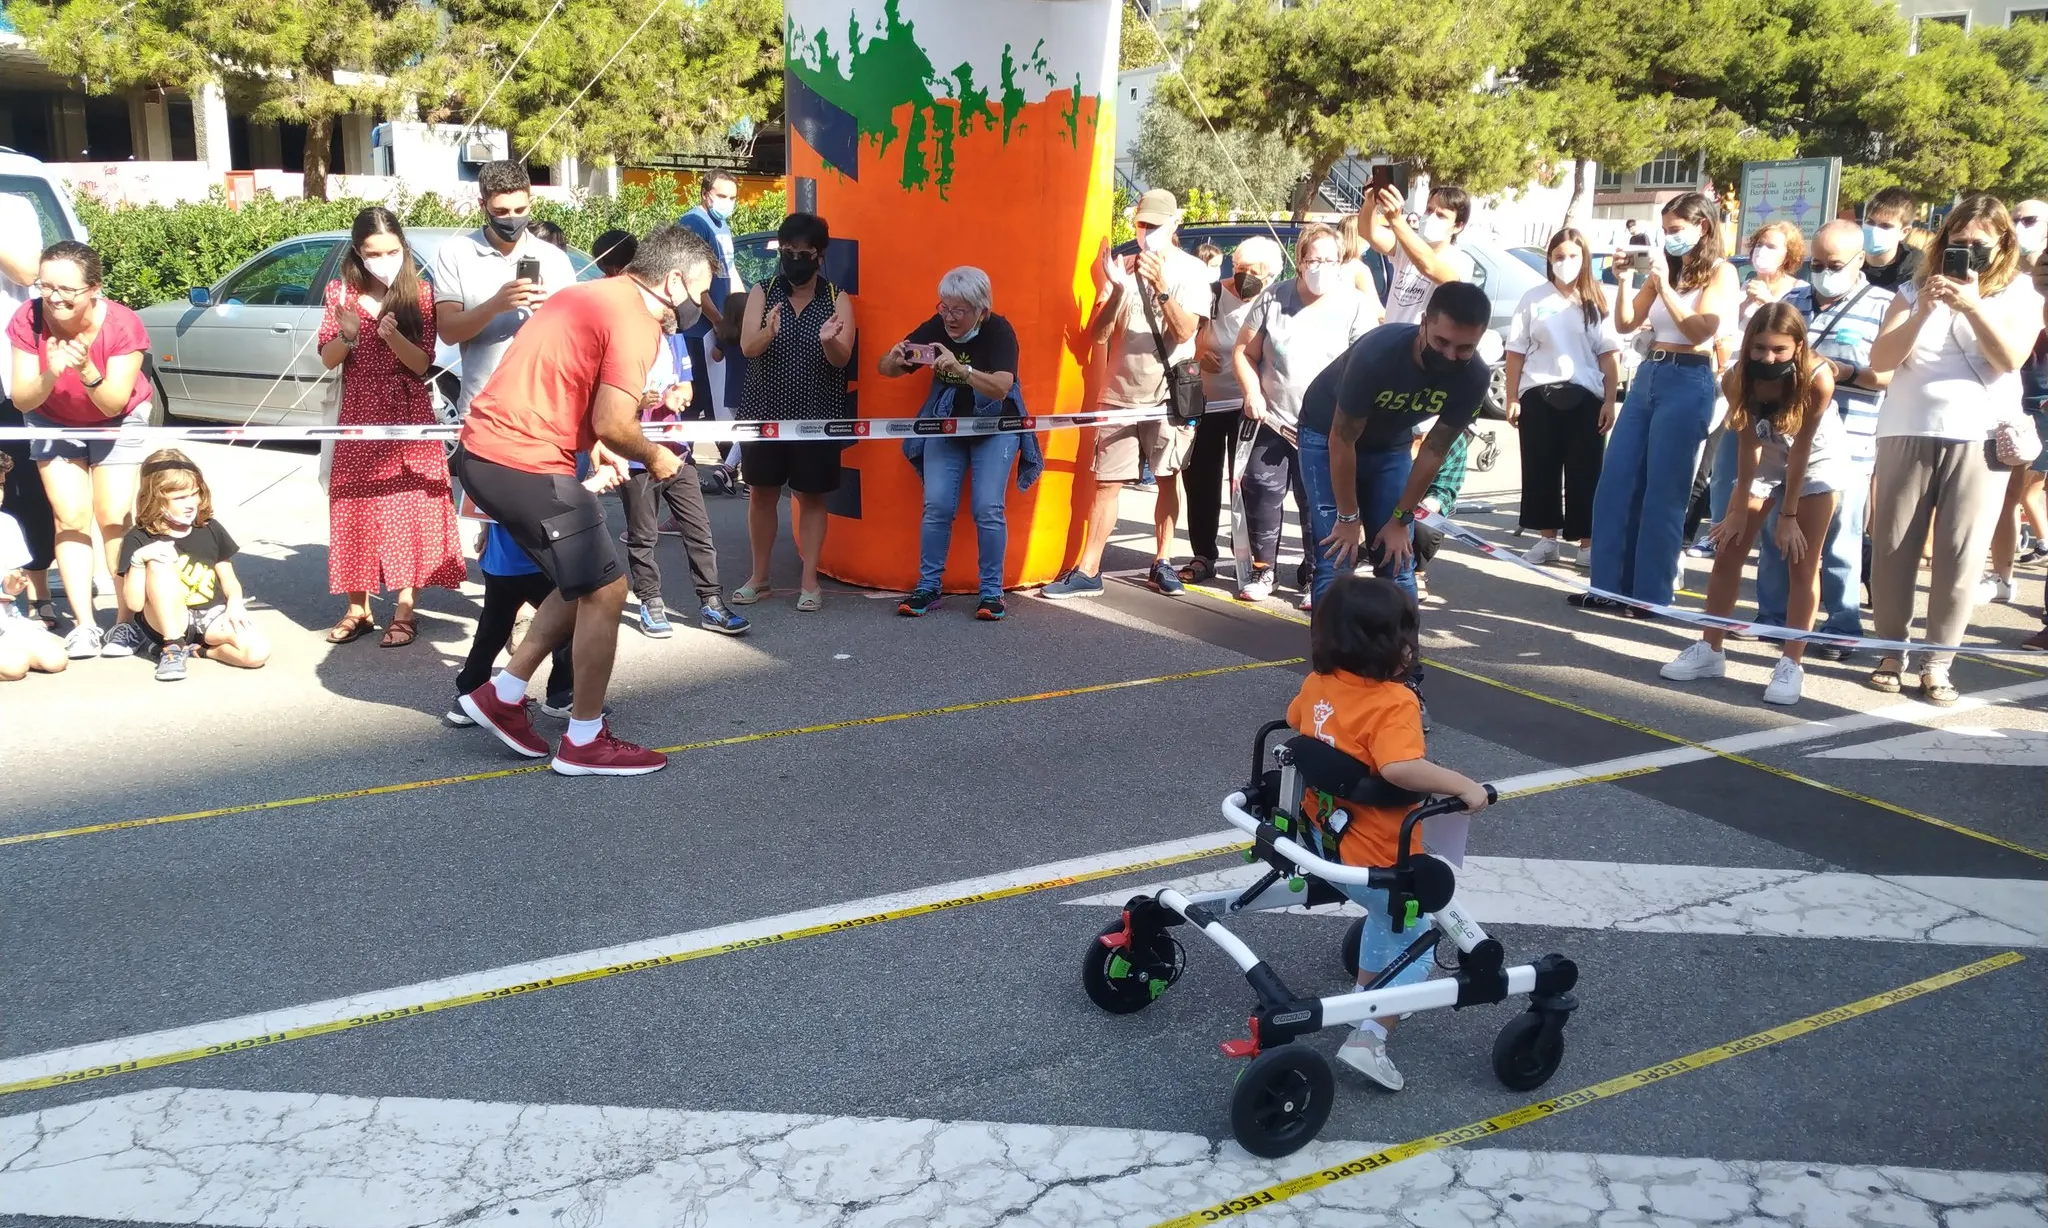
[241, 350]
[1496, 270]
[30, 179]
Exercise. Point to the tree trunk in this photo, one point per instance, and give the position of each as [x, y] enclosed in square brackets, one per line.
[319, 135]
[1318, 171]
[1579, 177]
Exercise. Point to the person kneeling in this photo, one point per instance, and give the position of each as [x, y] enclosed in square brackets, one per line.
[1362, 645]
[175, 569]
[25, 643]
[1793, 456]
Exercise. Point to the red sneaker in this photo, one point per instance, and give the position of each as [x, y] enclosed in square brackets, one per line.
[513, 723]
[605, 755]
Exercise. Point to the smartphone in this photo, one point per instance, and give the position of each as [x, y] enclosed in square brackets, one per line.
[1639, 262]
[1382, 177]
[924, 354]
[1955, 263]
[528, 269]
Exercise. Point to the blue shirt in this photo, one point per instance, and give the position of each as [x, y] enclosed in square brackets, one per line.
[1852, 327]
[718, 233]
[502, 556]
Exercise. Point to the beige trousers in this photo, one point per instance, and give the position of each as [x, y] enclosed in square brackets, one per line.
[1916, 479]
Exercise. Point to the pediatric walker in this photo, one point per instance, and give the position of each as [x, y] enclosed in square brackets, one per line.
[1283, 1098]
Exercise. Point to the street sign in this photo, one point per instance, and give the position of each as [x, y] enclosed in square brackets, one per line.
[1802, 191]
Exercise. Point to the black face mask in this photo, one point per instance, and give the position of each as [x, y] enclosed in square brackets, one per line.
[508, 229]
[1249, 286]
[798, 267]
[1436, 362]
[1980, 256]
[1758, 369]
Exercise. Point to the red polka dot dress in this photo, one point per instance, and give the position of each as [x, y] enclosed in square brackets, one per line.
[390, 524]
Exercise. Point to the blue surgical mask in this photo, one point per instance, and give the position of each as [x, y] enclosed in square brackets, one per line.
[967, 336]
[720, 208]
[1682, 243]
[1880, 240]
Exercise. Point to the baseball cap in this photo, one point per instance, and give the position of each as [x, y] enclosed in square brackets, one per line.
[1157, 208]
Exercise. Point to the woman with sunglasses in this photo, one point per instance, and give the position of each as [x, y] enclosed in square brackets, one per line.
[78, 363]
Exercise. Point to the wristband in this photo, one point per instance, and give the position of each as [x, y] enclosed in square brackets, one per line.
[1788, 515]
[1342, 518]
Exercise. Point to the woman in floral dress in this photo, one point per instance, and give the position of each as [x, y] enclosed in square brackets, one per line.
[390, 523]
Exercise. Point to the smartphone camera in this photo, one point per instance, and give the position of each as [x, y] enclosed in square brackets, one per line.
[528, 269]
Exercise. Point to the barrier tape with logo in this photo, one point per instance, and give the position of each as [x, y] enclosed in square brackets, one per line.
[670, 432]
[1452, 529]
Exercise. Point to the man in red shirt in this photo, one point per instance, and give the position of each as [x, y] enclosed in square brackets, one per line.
[571, 382]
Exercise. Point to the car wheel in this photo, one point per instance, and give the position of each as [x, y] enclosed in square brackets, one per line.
[159, 402]
[445, 389]
[1496, 403]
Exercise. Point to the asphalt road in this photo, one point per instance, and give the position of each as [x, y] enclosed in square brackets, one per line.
[316, 835]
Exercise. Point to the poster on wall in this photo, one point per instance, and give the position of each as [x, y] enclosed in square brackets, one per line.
[1802, 191]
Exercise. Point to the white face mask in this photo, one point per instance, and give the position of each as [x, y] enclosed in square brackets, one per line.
[2032, 239]
[1565, 269]
[1319, 279]
[1435, 228]
[384, 268]
[1767, 260]
[1156, 239]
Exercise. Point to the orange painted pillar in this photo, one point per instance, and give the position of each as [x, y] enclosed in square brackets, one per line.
[936, 133]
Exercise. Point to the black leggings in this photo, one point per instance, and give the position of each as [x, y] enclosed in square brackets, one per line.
[1561, 454]
[25, 498]
[1201, 480]
[503, 595]
[1273, 470]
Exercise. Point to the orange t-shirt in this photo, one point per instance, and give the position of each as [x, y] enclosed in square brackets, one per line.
[534, 414]
[1375, 723]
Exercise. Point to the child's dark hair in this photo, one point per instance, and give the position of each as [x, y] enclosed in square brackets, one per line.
[6, 464]
[1364, 626]
[734, 307]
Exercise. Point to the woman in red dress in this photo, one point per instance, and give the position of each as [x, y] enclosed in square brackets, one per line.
[390, 523]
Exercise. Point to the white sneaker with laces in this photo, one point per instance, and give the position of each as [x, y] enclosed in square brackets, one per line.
[1258, 587]
[1699, 660]
[1365, 1051]
[1544, 552]
[1994, 588]
[124, 640]
[1568, 554]
[1787, 682]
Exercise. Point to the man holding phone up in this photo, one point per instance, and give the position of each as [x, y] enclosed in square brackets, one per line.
[487, 284]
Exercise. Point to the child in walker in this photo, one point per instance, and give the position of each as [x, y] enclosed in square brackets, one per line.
[1792, 455]
[175, 568]
[1362, 645]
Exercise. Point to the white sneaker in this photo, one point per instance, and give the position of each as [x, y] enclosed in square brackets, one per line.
[1994, 588]
[1699, 660]
[1568, 554]
[1365, 1051]
[1786, 683]
[125, 640]
[1545, 551]
[1258, 587]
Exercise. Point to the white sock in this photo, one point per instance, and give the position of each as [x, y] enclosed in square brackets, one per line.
[1373, 1026]
[582, 733]
[510, 690]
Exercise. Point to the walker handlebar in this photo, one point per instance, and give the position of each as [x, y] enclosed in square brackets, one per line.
[1235, 813]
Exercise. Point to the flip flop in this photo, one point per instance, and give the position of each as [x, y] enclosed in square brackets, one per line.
[748, 593]
[351, 628]
[1936, 689]
[810, 601]
[401, 632]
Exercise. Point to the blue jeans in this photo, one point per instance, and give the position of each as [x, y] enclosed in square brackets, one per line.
[1646, 482]
[1722, 483]
[1841, 565]
[946, 465]
[1382, 476]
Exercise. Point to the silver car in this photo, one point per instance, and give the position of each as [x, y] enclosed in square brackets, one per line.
[241, 351]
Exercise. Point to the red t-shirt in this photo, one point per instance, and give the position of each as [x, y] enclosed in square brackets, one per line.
[70, 404]
[534, 414]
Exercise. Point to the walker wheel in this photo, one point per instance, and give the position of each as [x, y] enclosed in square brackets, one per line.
[1124, 982]
[1354, 934]
[1521, 1060]
[1282, 1099]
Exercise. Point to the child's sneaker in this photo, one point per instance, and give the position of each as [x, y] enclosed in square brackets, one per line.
[125, 640]
[1788, 681]
[654, 622]
[1544, 552]
[1699, 660]
[991, 610]
[1365, 1051]
[713, 616]
[919, 603]
[170, 665]
[1703, 548]
[84, 641]
[456, 717]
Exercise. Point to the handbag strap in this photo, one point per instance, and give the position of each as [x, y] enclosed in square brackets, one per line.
[1841, 310]
[1158, 331]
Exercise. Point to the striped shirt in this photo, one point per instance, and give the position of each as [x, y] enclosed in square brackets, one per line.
[1852, 326]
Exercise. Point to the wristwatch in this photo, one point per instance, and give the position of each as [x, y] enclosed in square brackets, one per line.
[92, 383]
[1403, 515]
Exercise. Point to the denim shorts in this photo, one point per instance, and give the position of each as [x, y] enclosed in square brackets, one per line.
[2040, 416]
[94, 452]
[1380, 946]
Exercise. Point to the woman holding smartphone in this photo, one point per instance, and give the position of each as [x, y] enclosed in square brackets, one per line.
[389, 522]
[1956, 337]
[971, 353]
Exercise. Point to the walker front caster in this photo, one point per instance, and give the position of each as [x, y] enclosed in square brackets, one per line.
[1129, 976]
[1528, 1049]
[1281, 1100]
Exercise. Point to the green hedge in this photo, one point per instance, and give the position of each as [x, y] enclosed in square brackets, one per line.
[157, 252]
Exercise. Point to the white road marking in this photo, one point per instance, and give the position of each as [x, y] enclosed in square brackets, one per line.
[1604, 895]
[1973, 744]
[295, 1160]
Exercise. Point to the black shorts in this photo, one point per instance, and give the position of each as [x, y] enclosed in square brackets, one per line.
[550, 516]
[807, 466]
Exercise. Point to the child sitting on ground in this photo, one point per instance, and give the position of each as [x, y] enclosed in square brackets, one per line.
[174, 567]
[1362, 645]
[25, 643]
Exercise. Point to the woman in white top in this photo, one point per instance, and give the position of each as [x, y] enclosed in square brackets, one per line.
[1792, 459]
[1646, 481]
[1564, 367]
[1255, 265]
[1296, 329]
[1351, 263]
[1776, 253]
[1956, 338]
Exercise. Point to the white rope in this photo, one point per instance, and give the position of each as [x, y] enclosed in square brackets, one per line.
[588, 85]
[507, 74]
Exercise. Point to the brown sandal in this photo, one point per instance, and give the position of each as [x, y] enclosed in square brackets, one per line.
[351, 628]
[1937, 690]
[402, 631]
[1885, 677]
